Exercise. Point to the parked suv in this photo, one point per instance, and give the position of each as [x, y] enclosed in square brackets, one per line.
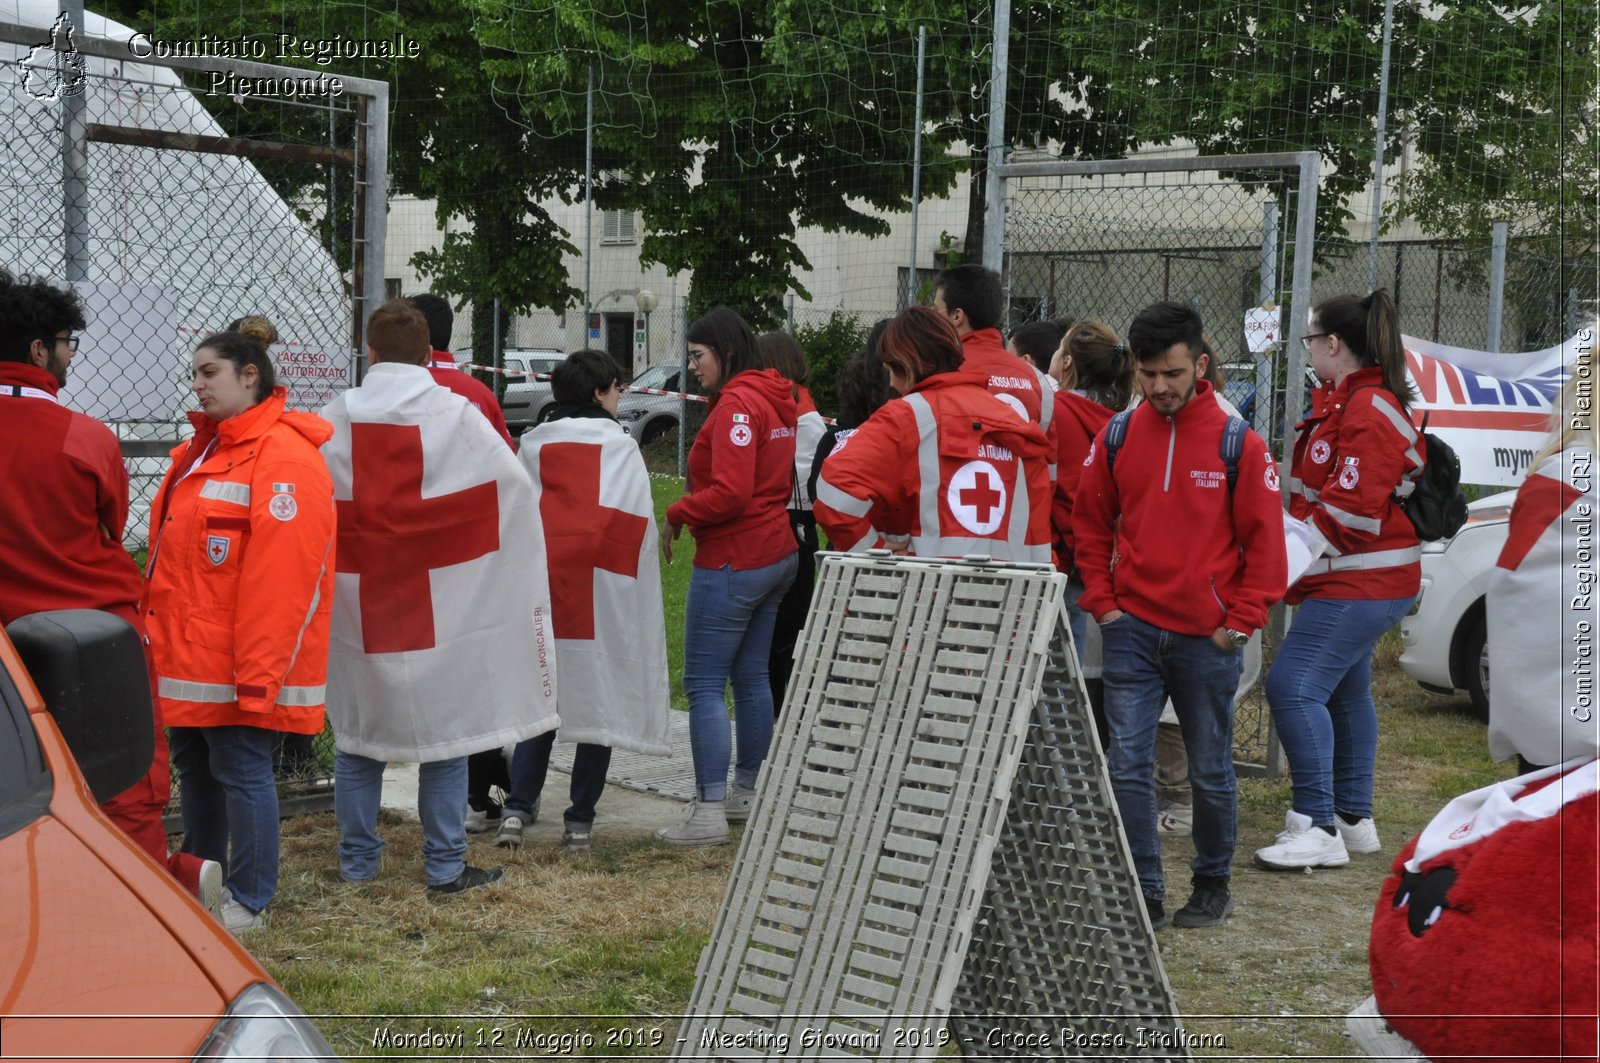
[649, 417]
[1445, 637]
[526, 401]
[105, 955]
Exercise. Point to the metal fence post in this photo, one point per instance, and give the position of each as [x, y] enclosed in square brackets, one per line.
[916, 169]
[994, 220]
[683, 388]
[1497, 283]
[75, 167]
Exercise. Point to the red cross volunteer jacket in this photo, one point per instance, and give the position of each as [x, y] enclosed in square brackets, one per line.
[948, 466]
[741, 475]
[1162, 538]
[1351, 457]
[239, 585]
[1012, 381]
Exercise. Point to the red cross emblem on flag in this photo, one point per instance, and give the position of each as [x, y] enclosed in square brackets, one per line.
[977, 497]
[581, 535]
[392, 537]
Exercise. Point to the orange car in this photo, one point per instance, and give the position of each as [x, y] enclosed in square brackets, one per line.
[102, 953]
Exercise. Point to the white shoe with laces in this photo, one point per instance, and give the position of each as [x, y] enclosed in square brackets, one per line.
[1303, 844]
[1359, 837]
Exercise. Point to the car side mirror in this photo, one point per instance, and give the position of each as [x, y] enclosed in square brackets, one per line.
[90, 669]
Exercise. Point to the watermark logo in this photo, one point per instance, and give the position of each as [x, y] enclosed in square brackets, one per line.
[54, 70]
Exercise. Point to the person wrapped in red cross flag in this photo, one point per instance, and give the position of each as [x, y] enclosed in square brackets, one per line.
[947, 469]
[594, 502]
[442, 642]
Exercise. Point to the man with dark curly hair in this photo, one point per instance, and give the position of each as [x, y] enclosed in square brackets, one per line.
[61, 541]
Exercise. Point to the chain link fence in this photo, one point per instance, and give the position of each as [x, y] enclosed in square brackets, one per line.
[175, 209]
[1103, 241]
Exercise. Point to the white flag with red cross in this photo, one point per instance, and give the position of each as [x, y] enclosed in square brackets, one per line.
[1542, 615]
[594, 502]
[441, 642]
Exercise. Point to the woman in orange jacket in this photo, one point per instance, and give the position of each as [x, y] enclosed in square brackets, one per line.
[238, 594]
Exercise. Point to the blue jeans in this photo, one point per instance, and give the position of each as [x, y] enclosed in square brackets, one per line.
[1145, 665]
[230, 805]
[727, 635]
[1320, 692]
[1077, 619]
[530, 764]
[441, 805]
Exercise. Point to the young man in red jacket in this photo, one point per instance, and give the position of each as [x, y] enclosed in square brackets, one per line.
[1178, 569]
[972, 298]
[61, 539]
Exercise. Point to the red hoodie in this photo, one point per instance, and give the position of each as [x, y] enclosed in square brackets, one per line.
[741, 475]
[1162, 539]
[1078, 420]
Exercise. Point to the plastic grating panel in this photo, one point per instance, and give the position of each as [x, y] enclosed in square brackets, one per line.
[850, 914]
[1062, 941]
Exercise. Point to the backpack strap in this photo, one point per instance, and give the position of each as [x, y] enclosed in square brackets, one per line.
[1232, 448]
[1116, 435]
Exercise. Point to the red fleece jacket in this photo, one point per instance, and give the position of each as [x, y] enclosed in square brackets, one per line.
[1163, 540]
[741, 475]
[984, 352]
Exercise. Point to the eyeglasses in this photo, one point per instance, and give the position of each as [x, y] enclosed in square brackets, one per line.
[1305, 341]
[695, 356]
[70, 341]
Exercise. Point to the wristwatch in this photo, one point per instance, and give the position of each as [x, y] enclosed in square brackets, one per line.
[1238, 638]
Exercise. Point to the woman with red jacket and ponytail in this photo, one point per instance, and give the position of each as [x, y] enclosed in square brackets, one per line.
[1353, 458]
[741, 477]
[1095, 372]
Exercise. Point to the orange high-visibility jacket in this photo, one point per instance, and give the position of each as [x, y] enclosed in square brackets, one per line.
[239, 584]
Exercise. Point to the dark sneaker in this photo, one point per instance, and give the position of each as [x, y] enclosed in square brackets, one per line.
[470, 879]
[578, 839]
[1157, 911]
[1208, 905]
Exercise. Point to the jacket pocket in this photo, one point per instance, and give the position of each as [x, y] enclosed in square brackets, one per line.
[209, 633]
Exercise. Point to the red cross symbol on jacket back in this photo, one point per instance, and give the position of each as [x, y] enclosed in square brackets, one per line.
[392, 537]
[982, 497]
[581, 536]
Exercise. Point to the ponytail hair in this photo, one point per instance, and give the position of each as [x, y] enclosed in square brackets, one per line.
[1101, 365]
[1370, 327]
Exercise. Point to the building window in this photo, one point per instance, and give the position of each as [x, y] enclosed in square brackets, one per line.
[617, 227]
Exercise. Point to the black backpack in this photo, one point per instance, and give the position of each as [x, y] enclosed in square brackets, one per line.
[1437, 506]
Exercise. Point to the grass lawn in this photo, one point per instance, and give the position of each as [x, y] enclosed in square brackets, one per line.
[597, 955]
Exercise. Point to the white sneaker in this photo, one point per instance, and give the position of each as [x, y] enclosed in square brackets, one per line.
[236, 918]
[1175, 821]
[706, 824]
[1359, 837]
[737, 806]
[211, 889]
[483, 820]
[1303, 845]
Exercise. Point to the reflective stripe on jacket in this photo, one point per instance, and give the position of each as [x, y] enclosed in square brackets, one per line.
[239, 587]
[1352, 457]
[948, 468]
